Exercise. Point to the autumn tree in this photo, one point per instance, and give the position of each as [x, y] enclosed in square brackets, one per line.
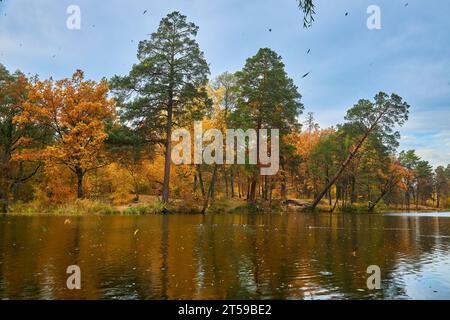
[391, 179]
[268, 99]
[378, 117]
[160, 89]
[15, 170]
[75, 110]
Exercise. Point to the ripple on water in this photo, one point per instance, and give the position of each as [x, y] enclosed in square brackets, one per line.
[227, 256]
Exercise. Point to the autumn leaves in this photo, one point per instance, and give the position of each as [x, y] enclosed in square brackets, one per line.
[75, 111]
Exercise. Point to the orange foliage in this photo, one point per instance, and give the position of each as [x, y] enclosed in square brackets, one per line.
[75, 110]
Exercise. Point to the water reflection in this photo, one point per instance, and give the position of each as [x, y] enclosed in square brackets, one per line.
[290, 256]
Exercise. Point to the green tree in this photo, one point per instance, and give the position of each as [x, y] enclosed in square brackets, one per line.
[442, 185]
[163, 89]
[409, 160]
[367, 118]
[424, 182]
[268, 99]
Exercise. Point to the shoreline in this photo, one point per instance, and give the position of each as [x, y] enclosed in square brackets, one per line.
[87, 207]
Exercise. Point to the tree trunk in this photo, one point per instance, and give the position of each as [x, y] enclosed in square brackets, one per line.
[225, 175]
[167, 160]
[408, 198]
[200, 180]
[80, 175]
[232, 182]
[254, 183]
[239, 185]
[252, 192]
[3, 202]
[195, 182]
[210, 193]
[353, 192]
[270, 192]
[438, 199]
[374, 204]
[283, 189]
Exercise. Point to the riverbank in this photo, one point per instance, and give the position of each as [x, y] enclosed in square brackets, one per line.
[151, 205]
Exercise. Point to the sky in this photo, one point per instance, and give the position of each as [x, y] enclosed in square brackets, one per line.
[409, 55]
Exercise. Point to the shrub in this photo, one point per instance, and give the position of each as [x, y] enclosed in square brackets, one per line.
[85, 207]
[153, 208]
[356, 208]
[219, 206]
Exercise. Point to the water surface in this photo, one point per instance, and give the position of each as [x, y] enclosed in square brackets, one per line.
[289, 256]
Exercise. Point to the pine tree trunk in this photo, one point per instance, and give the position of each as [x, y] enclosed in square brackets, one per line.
[252, 192]
[167, 160]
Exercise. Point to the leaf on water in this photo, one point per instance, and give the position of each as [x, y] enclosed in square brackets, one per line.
[136, 232]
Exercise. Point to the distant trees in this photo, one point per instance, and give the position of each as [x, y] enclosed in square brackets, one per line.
[75, 111]
[161, 90]
[442, 185]
[419, 178]
[424, 182]
[390, 179]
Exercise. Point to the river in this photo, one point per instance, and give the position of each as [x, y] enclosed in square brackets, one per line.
[229, 256]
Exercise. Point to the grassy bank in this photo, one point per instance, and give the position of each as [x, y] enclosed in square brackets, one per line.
[151, 205]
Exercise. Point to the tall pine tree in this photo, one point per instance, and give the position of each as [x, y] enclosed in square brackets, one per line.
[268, 99]
[164, 87]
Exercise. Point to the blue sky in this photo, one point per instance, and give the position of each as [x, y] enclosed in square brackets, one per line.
[410, 55]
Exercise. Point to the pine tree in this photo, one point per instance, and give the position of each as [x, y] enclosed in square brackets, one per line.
[268, 99]
[162, 87]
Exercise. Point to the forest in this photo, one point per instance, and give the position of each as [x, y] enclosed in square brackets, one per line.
[76, 145]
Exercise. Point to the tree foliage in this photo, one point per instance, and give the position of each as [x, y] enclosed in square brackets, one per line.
[75, 111]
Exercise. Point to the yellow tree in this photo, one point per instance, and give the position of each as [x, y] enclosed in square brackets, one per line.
[75, 110]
